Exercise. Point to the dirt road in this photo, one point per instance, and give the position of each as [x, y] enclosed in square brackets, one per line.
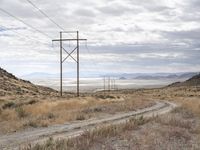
[72, 129]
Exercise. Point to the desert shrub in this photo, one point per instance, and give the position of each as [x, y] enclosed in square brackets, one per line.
[8, 105]
[183, 111]
[43, 124]
[113, 130]
[97, 109]
[139, 121]
[18, 89]
[105, 96]
[80, 117]
[49, 142]
[50, 116]
[31, 102]
[2, 93]
[21, 112]
[134, 123]
[175, 121]
[179, 134]
[100, 96]
[103, 132]
[90, 110]
[110, 96]
[31, 123]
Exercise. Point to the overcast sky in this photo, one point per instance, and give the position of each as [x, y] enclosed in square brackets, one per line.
[124, 36]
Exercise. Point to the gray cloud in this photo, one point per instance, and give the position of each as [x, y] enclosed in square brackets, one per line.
[191, 36]
[85, 12]
[129, 34]
[113, 10]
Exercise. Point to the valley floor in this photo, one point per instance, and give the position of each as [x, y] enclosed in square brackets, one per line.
[26, 113]
[179, 129]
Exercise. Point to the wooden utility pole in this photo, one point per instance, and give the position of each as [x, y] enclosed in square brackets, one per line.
[61, 64]
[104, 85]
[77, 63]
[61, 40]
[109, 83]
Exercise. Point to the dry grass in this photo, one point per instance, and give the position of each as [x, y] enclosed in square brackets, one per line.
[175, 121]
[88, 138]
[20, 114]
[188, 97]
[25, 111]
[171, 131]
[178, 130]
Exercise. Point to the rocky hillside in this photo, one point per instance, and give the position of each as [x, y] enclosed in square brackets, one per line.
[11, 85]
[194, 81]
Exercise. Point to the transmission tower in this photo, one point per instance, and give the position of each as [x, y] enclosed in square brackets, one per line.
[69, 54]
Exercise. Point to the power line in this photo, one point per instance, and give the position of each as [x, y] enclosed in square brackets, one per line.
[6, 12]
[42, 12]
[111, 82]
[50, 19]
[19, 34]
[93, 57]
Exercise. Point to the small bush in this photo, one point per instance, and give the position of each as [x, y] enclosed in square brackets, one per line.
[184, 112]
[80, 117]
[103, 132]
[50, 116]
[139, 121]
[31, 123]
[100, 96]
[44, 124]
[92, 110]
[175, 122]
[21, 112]
[49, 142]
[31, 102]
[97, 109]
[110, 96]
[9, 105]
[105, 96]
[134, 123]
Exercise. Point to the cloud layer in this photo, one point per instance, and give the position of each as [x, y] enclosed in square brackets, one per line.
[123, 35]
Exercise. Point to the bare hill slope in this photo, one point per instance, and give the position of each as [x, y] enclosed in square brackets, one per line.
[194, 81]
[11, 85]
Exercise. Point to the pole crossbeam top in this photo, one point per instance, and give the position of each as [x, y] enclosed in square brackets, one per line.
[58, 40]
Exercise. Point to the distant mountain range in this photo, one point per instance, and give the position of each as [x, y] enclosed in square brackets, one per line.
[194, 81]
[124, 76]
[157, 76]
[170, 76]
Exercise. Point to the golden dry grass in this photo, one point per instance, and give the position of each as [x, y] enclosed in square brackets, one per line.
[46, 111]
[171, 131]
[20, 114]
[177, 130]
[90, 137]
